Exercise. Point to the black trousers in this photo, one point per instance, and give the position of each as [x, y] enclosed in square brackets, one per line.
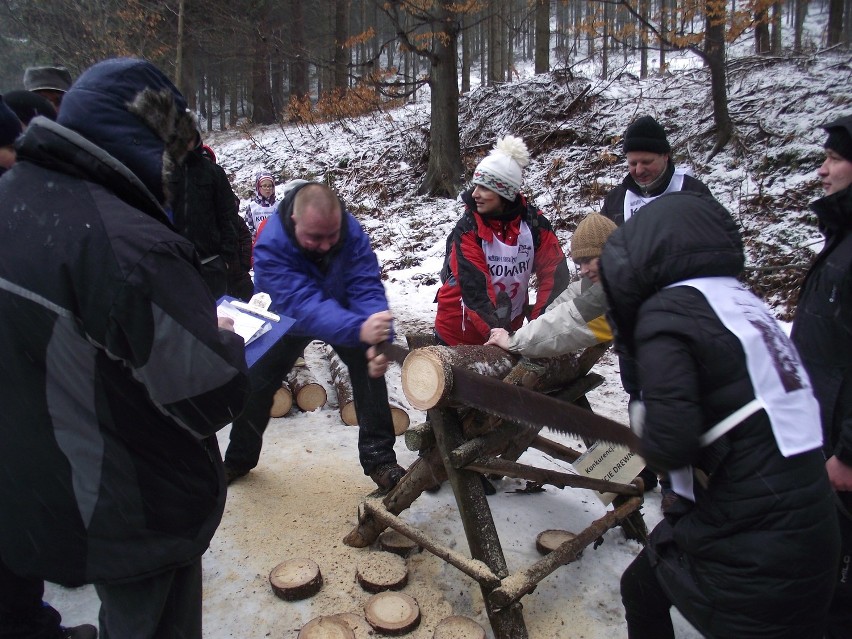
[840, 612]
[370, 396]
[23, 614]
[165, 606]
[647, 609]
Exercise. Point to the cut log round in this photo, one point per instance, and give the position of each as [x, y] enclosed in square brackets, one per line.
[380, 571]
[401, 420]
[326, 627]
[307, 391]
[392, 613]
[296, 579]
[549, 540]
[282, 402]
[427, 378]
[397, 543]
[359, 625]
[458, 627]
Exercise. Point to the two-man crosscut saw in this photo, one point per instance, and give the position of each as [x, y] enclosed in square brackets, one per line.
[520, 405]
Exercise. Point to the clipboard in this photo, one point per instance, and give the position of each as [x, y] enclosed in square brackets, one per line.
[277, 329]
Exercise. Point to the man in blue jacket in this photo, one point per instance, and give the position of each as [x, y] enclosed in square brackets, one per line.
[115, 373]
[316, 263]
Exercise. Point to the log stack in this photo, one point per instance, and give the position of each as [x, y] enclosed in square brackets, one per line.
[345, 404]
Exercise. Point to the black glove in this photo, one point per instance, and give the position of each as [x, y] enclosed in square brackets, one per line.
[503, 312]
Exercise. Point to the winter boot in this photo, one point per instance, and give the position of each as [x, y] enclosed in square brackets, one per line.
[387, 475]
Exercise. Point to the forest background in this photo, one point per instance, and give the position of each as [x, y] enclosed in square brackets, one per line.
[265, 61]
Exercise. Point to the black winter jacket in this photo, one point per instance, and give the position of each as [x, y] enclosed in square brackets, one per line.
[822, 330]
[114, 377]
[204, 211]
[761, 540]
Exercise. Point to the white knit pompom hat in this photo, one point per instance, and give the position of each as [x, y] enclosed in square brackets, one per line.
[502, 169]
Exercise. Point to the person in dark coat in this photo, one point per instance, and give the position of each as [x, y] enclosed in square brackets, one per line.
[23, 612]
[110, 471]
[51, 82]
[28, 105]
[316, 263]
[751, 547]
[822, 331]
[10, 129]
[203, 211]
[650, 172]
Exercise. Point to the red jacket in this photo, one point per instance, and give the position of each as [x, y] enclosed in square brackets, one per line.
[467, 301]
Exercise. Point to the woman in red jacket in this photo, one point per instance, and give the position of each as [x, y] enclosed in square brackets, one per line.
[496, 247]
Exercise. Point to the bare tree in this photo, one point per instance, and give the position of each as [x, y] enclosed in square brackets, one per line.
[542, 36]
[438, 46]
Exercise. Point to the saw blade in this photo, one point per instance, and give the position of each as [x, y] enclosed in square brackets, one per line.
[529, 408]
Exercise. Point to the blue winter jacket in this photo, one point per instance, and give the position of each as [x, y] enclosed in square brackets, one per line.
[330, 299]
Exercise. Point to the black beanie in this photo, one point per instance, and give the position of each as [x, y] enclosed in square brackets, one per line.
[10, 125]
[646, 134]
[27, 105]
[840, 137]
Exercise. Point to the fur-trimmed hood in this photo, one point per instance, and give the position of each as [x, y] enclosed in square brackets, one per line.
[130, 109]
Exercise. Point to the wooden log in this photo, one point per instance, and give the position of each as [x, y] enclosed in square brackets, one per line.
[419, 340]
[381, 570]
[419, 437]
[458, 627]
[296, 579]
[392, 613]
[400, 417]
[306, 389]
[524, 581]
[359, 625]
[282, 401]
[471, 567]
[397, 543]
[343, 386]
[326, 627]
[549, 540]
[427, 378]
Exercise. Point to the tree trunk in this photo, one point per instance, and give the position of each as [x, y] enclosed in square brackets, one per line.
[542, 36]
[343, 386]
[495, 49]
[775, 39]
[467, 60]
[341, 52]
[715, 58]
[834, 33]
[664, 34]
[761, 31]
[643, 44]
[605, 43]
[263, 111]
[445, 172]
[299, 87]
[801, 12]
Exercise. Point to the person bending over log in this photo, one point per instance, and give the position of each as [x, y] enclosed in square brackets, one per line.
[751, 546]
[575, 320]
[316, 263]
